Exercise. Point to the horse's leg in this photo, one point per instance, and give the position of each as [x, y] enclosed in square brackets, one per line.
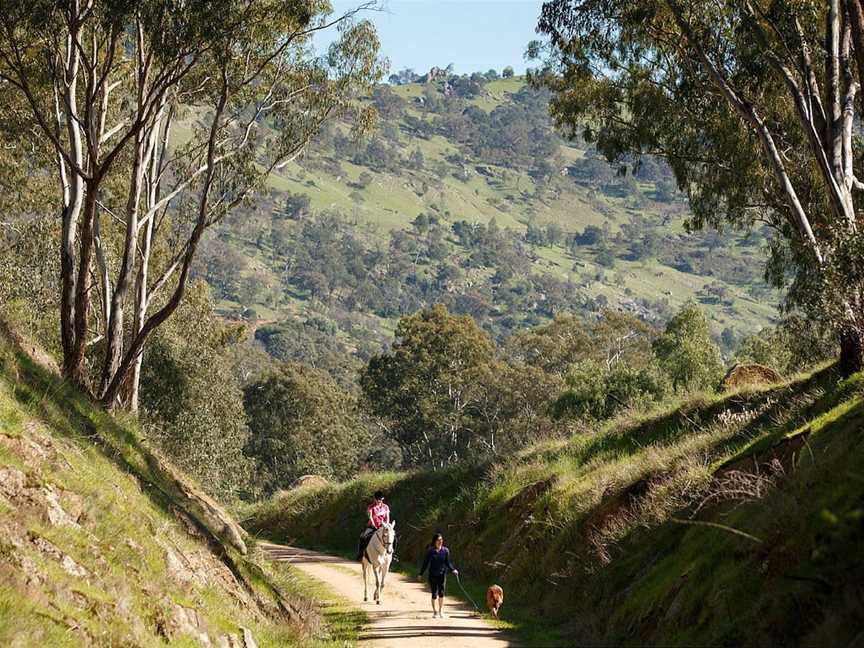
[365, 587]
[385, 568]
[377, 585]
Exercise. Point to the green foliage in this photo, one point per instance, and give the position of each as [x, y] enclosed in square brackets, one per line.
[795, 344]
[317, 346]
[596, 392]
[302, 423]
[610, 339]
[28, 280]
[431, 389]
[687, 353]
[192, 399]
[722, 105]
[446, 398]
[252, 95]
[768, 347]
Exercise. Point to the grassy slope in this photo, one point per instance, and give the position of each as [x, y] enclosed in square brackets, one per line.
[118, 575]
[600, 538]
[391, 202]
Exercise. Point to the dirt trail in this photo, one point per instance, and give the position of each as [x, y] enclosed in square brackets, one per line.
[404, 617]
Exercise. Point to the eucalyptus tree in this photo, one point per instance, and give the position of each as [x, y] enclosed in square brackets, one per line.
[430, 391]
[163, 117]
[754, 103]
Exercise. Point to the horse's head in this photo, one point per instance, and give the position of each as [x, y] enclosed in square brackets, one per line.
[388, 536]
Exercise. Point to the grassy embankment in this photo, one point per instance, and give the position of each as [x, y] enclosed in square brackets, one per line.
[98, 548]
[725, 520]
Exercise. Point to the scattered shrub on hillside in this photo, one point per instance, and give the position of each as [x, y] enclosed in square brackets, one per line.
[597, 392]
[415, 160]
[389, 105]
[686, 352]
[793, 345]
[222, 265]
[296, 206]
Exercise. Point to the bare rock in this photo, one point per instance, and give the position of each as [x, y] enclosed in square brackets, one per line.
[32, 574]
[72, 568]
[42, 501]
[187, 621]
[73, 504]
[27, 448]
[248, 639]
[66, 562]
[188, 523]
[47, 548]
[12, 483]
[177, 569]
[14, 534]
[200, 505]
[54, 512]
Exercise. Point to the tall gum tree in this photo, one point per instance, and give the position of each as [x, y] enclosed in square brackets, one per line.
[106, 83]
[754, 105]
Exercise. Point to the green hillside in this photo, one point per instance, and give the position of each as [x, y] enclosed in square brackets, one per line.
[103, 543]
[547, 227]
[725, 520]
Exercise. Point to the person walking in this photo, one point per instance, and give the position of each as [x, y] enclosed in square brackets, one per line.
[438, 561]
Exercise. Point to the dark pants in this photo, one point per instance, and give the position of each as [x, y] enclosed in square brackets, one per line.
[365, 537]
[437, 583]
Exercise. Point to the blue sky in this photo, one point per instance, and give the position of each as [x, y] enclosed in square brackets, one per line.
[475, 35]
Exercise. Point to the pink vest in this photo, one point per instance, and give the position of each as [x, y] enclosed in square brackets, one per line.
[379, 513]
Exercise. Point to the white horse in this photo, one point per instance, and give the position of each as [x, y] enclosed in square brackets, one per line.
[378, 556]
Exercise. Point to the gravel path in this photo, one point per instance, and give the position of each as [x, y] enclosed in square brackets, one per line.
[404, 617]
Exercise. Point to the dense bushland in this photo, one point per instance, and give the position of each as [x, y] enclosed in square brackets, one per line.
[443, 392]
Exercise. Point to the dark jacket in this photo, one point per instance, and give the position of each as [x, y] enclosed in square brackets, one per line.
[438, 562]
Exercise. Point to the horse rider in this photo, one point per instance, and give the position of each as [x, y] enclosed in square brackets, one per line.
[377, 513]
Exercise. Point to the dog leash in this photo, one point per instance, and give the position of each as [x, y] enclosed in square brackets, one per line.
[468, 596]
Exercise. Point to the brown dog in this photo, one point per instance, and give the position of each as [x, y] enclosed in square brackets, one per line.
[494, 599]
